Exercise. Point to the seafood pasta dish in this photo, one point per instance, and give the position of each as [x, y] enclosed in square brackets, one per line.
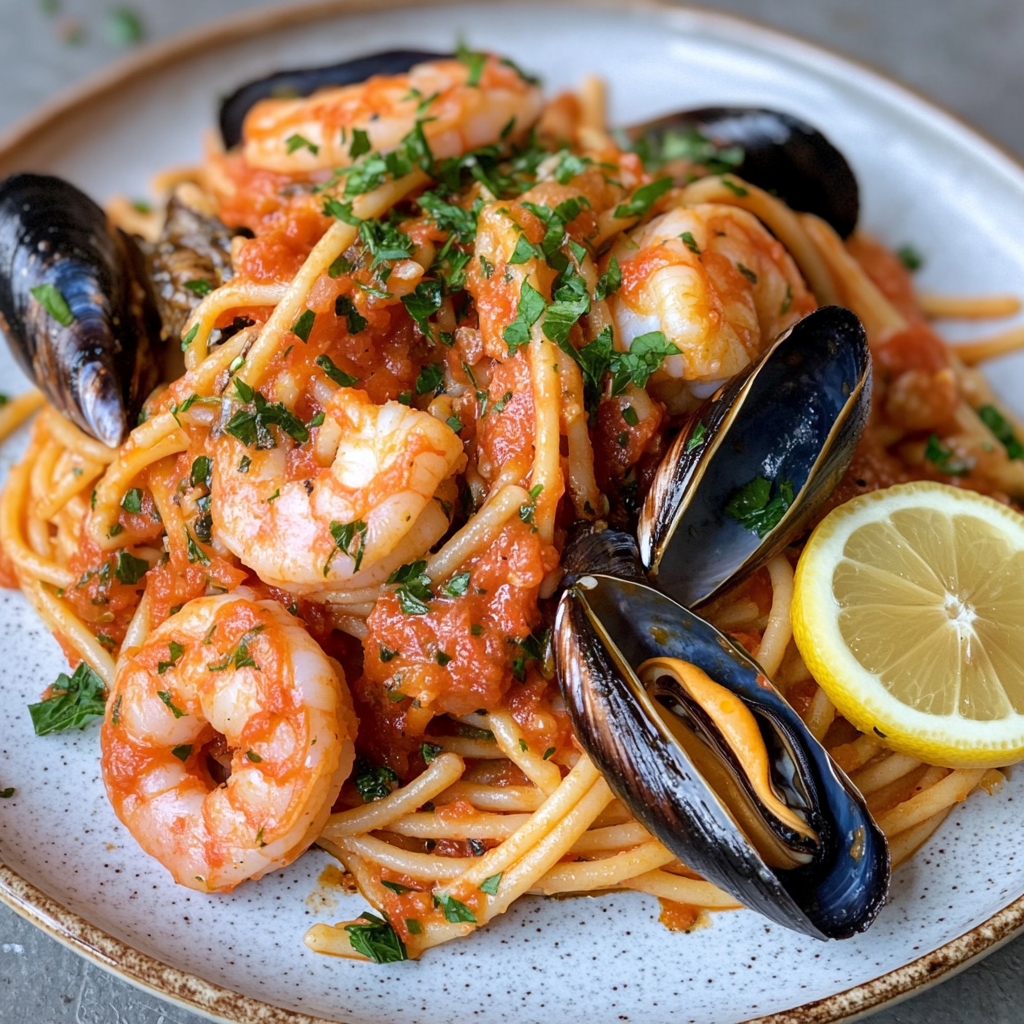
[511, 503]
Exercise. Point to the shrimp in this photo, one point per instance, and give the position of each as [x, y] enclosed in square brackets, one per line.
[455, 116]
[226, 673]
[715, 282]
[347, 525]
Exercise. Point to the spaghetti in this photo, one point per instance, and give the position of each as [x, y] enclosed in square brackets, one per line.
[431, 384]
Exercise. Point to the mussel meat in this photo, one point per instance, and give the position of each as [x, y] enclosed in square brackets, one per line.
[694, 739]
[305, 81]
[777, 152]
[75, 304]
[758, 459]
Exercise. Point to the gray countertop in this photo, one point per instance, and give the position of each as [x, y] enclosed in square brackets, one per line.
[967, 56]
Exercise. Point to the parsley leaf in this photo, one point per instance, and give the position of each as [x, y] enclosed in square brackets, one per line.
[449, 217]
[454, 910]
[474, 61]
[413, 587]
[132, 501]
[643, 198]
[166, 698]
[296, 141]
[609, 282]
[457, 585]
[490, 885]
[569, 166]
[754, 507]
[645, 356]
[571, 301]
[430, 378]
[174, 652]
[339, 376]
[360, 144]
[945, 459]
[695, 439]
[1001, 427]
[429, 751]
[49, 297]
[531, 305]
[75, 702]
[302, 327]
[385, 241]
[202, 471]
[690, 242]
[343, 306]
[251, 427]
[908, 256]
[423, 302]
[374, 783]
[129, 569]
[377, 940]
[344, 534]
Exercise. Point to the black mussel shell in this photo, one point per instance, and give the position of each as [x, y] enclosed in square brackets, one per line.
[604, 629]
[98, 369]
[304, 81]
[780, 153]
[793, 420]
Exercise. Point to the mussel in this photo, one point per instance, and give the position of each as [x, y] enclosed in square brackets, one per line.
[75, 304]
[758, 459]
[776, 151]
[708, 756]
[304, 81]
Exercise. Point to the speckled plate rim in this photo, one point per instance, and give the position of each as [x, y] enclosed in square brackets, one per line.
[195, 994]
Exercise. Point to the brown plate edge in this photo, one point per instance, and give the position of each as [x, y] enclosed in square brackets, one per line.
[192, 992]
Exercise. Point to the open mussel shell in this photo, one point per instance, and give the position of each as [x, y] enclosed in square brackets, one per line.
[56, 246]
[606, 627]
[793, 419]
[775, 151]
[305, 81]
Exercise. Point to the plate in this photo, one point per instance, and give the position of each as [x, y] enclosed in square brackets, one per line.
[70, 866]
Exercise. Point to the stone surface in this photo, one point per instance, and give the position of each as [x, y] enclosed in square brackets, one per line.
[966, 56]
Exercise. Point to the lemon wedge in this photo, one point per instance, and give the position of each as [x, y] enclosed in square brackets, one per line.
[908, 610]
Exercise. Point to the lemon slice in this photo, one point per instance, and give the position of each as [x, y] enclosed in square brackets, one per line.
[909, 612]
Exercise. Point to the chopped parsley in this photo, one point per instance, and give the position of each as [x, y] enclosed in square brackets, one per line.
[302, 327]
[474, 61]
[360, 144]
[253, 756]
[457, 585]
[449, 217]
[49, 297]
[910, 257]
[413, 587]
[945, 459]
[296, 141]
[74, 701]
[690, 242]
[396, 887]
[345, 535]
[377, 940]
[239, 656]
[787, 302]
[747, 273]
[193, 551]
[132, 501]
[174, 652]
[200, 286]
[1001, 427]
[526, 511]
[755, 508]
[373, 782]
[645, 356]
[630, 416]
[339, 376]
[529, 309]
[455, 423]
[429, 751]
[454, 911]
[129, 569]
[695, 439]
[536, 647]
[252, 426]
[490, 885]
[688, 143]
[386, 654]
[736, 189]
[343, 306]
[430, 378]
[570, 166]
[182, 752]
[643, 198]
[548, 753]
[166, 698]
[442, 659]
[422, 303]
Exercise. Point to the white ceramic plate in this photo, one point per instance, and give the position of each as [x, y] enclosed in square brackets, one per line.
[72, 868]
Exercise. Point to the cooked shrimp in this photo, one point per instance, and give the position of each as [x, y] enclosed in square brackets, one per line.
[715, 282]
[349, 524]
[456, 116]
[227, 673]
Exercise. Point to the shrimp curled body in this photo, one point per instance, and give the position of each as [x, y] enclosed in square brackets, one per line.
[385, 466]
[715, 282]
[226, 673]
[456, 116]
